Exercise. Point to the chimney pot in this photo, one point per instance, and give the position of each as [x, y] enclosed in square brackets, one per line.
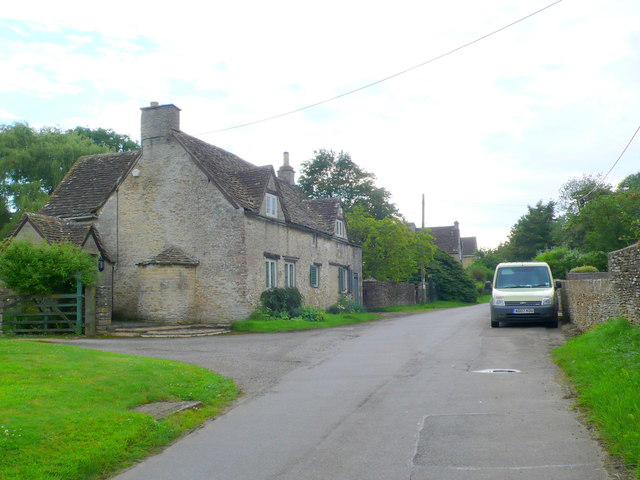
[154, 104]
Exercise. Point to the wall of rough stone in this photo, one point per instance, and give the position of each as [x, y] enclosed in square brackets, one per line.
[104, 307]
[592, 298]
[378, 294]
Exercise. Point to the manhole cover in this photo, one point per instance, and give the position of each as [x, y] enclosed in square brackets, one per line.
[498, 370]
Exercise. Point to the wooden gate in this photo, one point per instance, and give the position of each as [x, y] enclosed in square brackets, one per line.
[60, 313]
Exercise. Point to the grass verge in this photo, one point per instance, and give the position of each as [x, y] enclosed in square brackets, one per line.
[604, 366]
[65, 412]
[273, 325]
[433, 306]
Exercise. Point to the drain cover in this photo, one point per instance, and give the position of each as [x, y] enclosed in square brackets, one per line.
[498, 370]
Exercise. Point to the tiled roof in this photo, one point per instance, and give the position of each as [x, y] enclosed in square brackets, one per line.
[57, 230]
[446, 238]
[88, 184]
[172, 256]
[469, 246]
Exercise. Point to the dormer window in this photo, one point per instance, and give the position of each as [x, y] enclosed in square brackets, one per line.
[340, 230]
[271, 202]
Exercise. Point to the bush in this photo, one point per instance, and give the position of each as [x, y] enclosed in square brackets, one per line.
[346, 305]
[312, 314]
[584, 269]
[281, 301]
[451, 281]
[562, 259]
[43, 269]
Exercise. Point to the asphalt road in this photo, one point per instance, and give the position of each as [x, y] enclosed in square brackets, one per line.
[402, 398]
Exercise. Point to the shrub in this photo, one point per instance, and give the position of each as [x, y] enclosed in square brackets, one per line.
[42, 269]
[312, 314]
[282, 301]
[346, 305]
[561, 260]
[584, 269]
[451, 281]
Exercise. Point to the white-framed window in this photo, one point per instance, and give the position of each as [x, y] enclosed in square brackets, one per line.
[289, 274]
[271, 273]
[343, 280]
[271, 205]
[340, 230]
[314, 240]
[314, 275]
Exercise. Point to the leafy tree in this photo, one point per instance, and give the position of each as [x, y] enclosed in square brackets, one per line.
[450, 279]
[606, 223]
[330, 174]
[631, 183]
[533, 232]
[107, 138]
[578, 192]
[42, 268]
[33, 162]
[390, 251]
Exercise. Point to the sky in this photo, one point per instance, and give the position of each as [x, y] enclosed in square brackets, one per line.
[483, 131]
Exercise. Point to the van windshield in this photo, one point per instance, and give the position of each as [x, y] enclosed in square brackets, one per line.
[523, 277]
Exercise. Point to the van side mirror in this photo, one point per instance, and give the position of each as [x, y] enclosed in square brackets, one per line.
[558, 284]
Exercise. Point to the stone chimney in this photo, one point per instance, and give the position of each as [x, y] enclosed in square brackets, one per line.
[158, 121]
[286, 173]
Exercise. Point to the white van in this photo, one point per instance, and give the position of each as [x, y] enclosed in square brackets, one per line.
[524, 293]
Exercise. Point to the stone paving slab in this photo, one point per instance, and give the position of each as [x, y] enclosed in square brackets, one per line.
[162, 409]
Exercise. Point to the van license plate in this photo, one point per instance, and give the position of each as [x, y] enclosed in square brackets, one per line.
[523, 310]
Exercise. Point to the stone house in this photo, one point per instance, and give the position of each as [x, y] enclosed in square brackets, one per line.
[195, 234]
[448, 239]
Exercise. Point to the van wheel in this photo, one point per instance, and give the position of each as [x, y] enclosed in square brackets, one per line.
[553, 323]
[495, 324]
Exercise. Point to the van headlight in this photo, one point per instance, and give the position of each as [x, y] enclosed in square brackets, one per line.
[547, 301]
[498, 301]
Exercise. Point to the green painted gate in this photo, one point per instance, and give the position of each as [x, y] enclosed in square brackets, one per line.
[61, 313]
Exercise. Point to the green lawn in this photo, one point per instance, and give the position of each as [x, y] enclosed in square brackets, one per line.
[604, 366]
[65, 412]
[273, 325]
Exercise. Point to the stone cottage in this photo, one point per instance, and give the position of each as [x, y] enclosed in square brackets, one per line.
[448, 238]
[196, 234]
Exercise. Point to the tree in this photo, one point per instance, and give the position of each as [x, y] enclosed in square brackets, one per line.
[631, 183]
[107, 138]
[533, 232]
[330, 174]
[577, 192]
[33, 162]
[390, 251]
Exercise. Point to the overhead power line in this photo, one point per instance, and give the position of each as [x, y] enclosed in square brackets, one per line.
[431, 60]
[600, 182]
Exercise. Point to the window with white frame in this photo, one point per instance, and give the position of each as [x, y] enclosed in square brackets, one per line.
[314, 275]
[289, 274]
[314, 240]
[271, 205]
[340, 230]
[271, 273]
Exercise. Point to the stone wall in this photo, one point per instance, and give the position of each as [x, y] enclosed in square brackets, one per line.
[592, 298]
[104, 305]
[388, 294]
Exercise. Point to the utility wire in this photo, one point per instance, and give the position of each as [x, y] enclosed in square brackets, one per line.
[273, 117]
[600, 182]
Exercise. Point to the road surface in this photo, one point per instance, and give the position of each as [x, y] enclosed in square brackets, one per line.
[411, 397]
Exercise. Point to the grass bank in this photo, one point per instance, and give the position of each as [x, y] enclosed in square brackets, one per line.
[604, 366]
[273, 325]
[433, 306]
[65, 412]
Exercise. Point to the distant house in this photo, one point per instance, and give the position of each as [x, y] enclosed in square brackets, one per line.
[448, 239]
[195, 233]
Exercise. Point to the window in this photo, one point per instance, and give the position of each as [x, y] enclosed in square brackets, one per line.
[340, 230]
[289, 274]
[343, 280]
[314, 275]
[271, 205]
[314, 240]
[271, 271]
